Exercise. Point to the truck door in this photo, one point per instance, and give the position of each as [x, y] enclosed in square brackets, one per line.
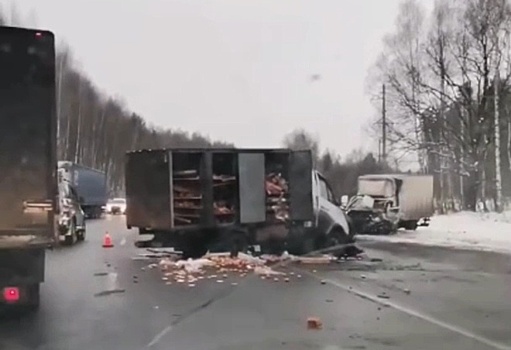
[330, 214]
[301, 205]
[28, 120]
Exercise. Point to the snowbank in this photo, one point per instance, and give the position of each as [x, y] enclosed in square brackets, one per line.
[465, 230]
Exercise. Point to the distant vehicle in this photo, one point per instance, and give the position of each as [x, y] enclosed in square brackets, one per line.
[387, 202]
[28, 162]
[90, 185]
[71, 218]
[268, 198]
[116, 206]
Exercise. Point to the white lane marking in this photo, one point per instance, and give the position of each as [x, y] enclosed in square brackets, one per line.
[158, 336]
[111, 282]
[414, 313]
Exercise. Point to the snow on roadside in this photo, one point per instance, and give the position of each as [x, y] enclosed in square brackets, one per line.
[465, 230]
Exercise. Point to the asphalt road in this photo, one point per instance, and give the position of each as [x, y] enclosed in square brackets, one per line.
[400, 297]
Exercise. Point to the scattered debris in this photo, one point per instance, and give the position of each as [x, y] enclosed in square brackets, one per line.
[323, 282]
[327, 259]
[329, 300]
[314, 323]
[108, 292]
[222, 267]
[383, 296]
[267, 271]
[376, 260]
[407, 291]
[101, 274]
[363, 277]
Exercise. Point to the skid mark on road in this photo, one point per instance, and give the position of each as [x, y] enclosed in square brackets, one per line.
[184, 316]
[411, 312]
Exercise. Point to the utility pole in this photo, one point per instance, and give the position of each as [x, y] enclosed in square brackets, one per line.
[379, 150]
[498, 178]
[383, 127]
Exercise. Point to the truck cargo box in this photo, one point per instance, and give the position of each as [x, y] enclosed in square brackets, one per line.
[416, 197]
[28, 162]
[177, 189]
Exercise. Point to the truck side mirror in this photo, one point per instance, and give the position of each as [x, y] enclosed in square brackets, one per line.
[344, 200]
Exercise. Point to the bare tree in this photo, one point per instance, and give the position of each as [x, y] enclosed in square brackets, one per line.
[300, 139]
[446, 93]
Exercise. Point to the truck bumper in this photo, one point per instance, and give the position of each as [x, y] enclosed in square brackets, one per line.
[20, 267]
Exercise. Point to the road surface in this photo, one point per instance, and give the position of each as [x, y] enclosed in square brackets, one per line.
[400, 297]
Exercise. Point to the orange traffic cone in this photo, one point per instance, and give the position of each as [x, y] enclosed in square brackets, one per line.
[107, 241]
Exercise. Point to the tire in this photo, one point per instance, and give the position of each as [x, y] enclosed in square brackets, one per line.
[71, 239]
[337, 236]
[300, 242]
[410, 225]
[80, 235]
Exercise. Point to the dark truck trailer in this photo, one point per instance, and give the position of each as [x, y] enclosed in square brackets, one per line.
[90, 185]
[28, 165]
[191, 198]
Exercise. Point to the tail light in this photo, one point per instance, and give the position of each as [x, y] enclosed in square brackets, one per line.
[11, 294]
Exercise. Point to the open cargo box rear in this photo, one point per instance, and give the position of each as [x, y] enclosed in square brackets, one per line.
[179, 189]
[27, 139]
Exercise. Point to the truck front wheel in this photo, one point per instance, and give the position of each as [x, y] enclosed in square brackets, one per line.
[410, 225]
[301, 241]
[71, 236]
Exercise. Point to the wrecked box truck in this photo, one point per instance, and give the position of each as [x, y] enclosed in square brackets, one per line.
[198, 199]
[385, 203]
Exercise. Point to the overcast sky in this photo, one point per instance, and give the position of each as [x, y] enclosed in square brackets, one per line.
[245, 71]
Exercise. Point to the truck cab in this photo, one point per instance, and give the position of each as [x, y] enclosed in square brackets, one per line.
[330, 217]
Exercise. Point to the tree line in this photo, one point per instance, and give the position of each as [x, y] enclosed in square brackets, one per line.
[96, 130]
[447, 96]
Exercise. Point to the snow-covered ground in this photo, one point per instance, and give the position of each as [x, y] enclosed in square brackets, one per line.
[465, 230]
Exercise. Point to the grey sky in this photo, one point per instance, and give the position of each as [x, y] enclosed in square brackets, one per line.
[243, 71]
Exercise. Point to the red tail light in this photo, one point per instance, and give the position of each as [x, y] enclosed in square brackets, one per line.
[11, 294]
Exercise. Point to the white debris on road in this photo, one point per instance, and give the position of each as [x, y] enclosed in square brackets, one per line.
[221, 267]
[465, 230]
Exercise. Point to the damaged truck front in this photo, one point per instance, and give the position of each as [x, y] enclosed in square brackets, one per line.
[206, 199]
[385, 203]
